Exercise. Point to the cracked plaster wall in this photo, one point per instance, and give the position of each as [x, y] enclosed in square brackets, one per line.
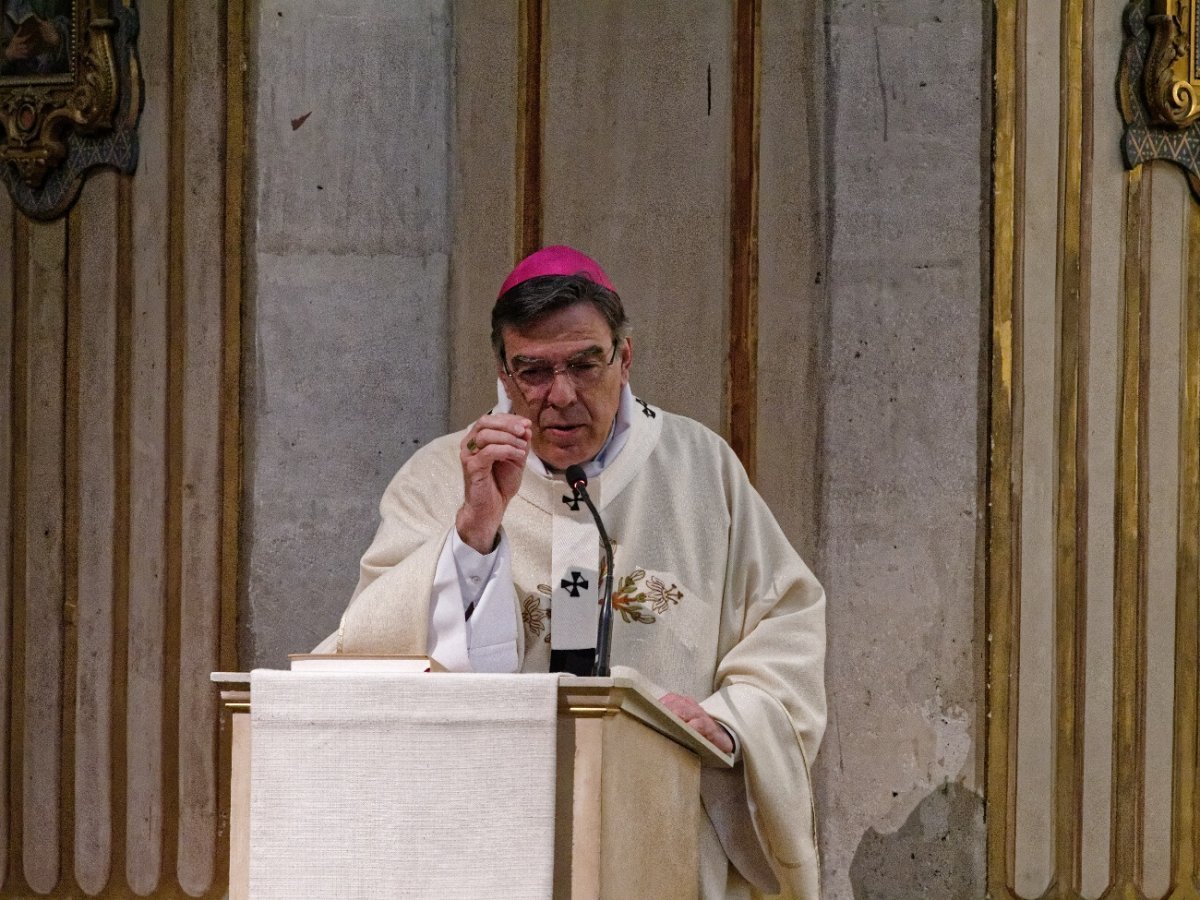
[899, 774]
[345, 325]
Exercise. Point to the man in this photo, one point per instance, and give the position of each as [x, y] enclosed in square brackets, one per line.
[487, 561]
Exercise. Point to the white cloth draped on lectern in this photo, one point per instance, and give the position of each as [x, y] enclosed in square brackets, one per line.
[373, 785]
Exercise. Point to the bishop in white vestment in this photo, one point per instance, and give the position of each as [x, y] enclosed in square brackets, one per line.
[486, 560]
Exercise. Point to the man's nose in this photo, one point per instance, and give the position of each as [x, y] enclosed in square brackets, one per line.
[562, 389]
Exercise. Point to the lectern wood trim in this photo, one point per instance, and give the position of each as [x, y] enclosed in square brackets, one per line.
[628, 692]
[599, 793]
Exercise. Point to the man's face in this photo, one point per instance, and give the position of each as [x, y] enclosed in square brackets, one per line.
[572, 413]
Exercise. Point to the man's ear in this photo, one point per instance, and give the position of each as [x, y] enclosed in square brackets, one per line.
[626, 358]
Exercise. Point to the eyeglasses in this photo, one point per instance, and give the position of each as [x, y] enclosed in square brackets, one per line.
[534, 377]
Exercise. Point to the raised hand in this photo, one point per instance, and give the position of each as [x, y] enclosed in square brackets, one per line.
[493, 455]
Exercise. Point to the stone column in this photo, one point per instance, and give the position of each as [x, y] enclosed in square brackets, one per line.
[346, 310]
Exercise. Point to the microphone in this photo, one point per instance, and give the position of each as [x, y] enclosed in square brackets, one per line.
[577, 479]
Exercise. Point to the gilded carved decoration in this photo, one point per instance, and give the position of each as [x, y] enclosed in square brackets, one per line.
[1158, 87]
[70, 96]
[1170, 77]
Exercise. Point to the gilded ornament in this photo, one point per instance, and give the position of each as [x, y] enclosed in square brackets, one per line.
[70, 97]
[1157, 87]
[1169, 79]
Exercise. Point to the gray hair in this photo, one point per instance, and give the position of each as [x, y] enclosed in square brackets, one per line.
[535, 297]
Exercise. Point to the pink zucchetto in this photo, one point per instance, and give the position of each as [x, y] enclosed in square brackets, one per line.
[557, 260]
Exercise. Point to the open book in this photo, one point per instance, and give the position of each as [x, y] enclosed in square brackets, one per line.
[352, 662]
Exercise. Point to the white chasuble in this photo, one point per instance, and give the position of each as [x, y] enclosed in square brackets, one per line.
[710, 601]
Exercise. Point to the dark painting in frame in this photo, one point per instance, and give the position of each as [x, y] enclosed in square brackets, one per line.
[70, 97]
[36, 40]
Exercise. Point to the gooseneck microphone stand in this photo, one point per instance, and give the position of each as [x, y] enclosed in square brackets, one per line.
[578, 481]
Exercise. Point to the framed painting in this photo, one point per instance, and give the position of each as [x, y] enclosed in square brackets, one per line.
[36, 38]
[69, 85]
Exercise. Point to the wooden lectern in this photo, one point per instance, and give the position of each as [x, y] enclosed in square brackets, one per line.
[622, 759]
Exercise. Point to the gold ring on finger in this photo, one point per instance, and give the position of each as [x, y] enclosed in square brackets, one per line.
[472, 446]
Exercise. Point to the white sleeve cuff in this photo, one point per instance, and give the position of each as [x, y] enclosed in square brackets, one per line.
[487, 642]
[474, 568]
[492, 627]
[446, 640]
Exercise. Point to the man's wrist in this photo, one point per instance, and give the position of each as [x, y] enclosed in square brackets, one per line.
[480, 538]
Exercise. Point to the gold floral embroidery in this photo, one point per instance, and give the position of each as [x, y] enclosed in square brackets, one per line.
[661, 595]
[533, 615]
[629, 601]
[637, 602]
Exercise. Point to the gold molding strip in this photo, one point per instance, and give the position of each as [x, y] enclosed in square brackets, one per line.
[16, 631]
[231, 461]
[122, 469]
[235, 140]
[68, 672]
[1075, 138]
[742, 377]
[7, 392]
[532, 17]
[1185, 818]
[1130, 583]
[1003, 502]
[176, 360]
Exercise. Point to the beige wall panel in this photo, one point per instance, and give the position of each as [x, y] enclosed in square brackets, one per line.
[204, 119]
[44, 554]
[6, 528]
[97, 346]
[637, 174]
[1035, 719]
[96, 480]
[1167, 252]
[1187, 623]
[791, 311]
[148, 456]
[485, 136]
[1103, 353]
[1039, 326]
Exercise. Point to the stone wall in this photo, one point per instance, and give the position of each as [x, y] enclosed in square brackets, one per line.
[345, 320]
[900, 772]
